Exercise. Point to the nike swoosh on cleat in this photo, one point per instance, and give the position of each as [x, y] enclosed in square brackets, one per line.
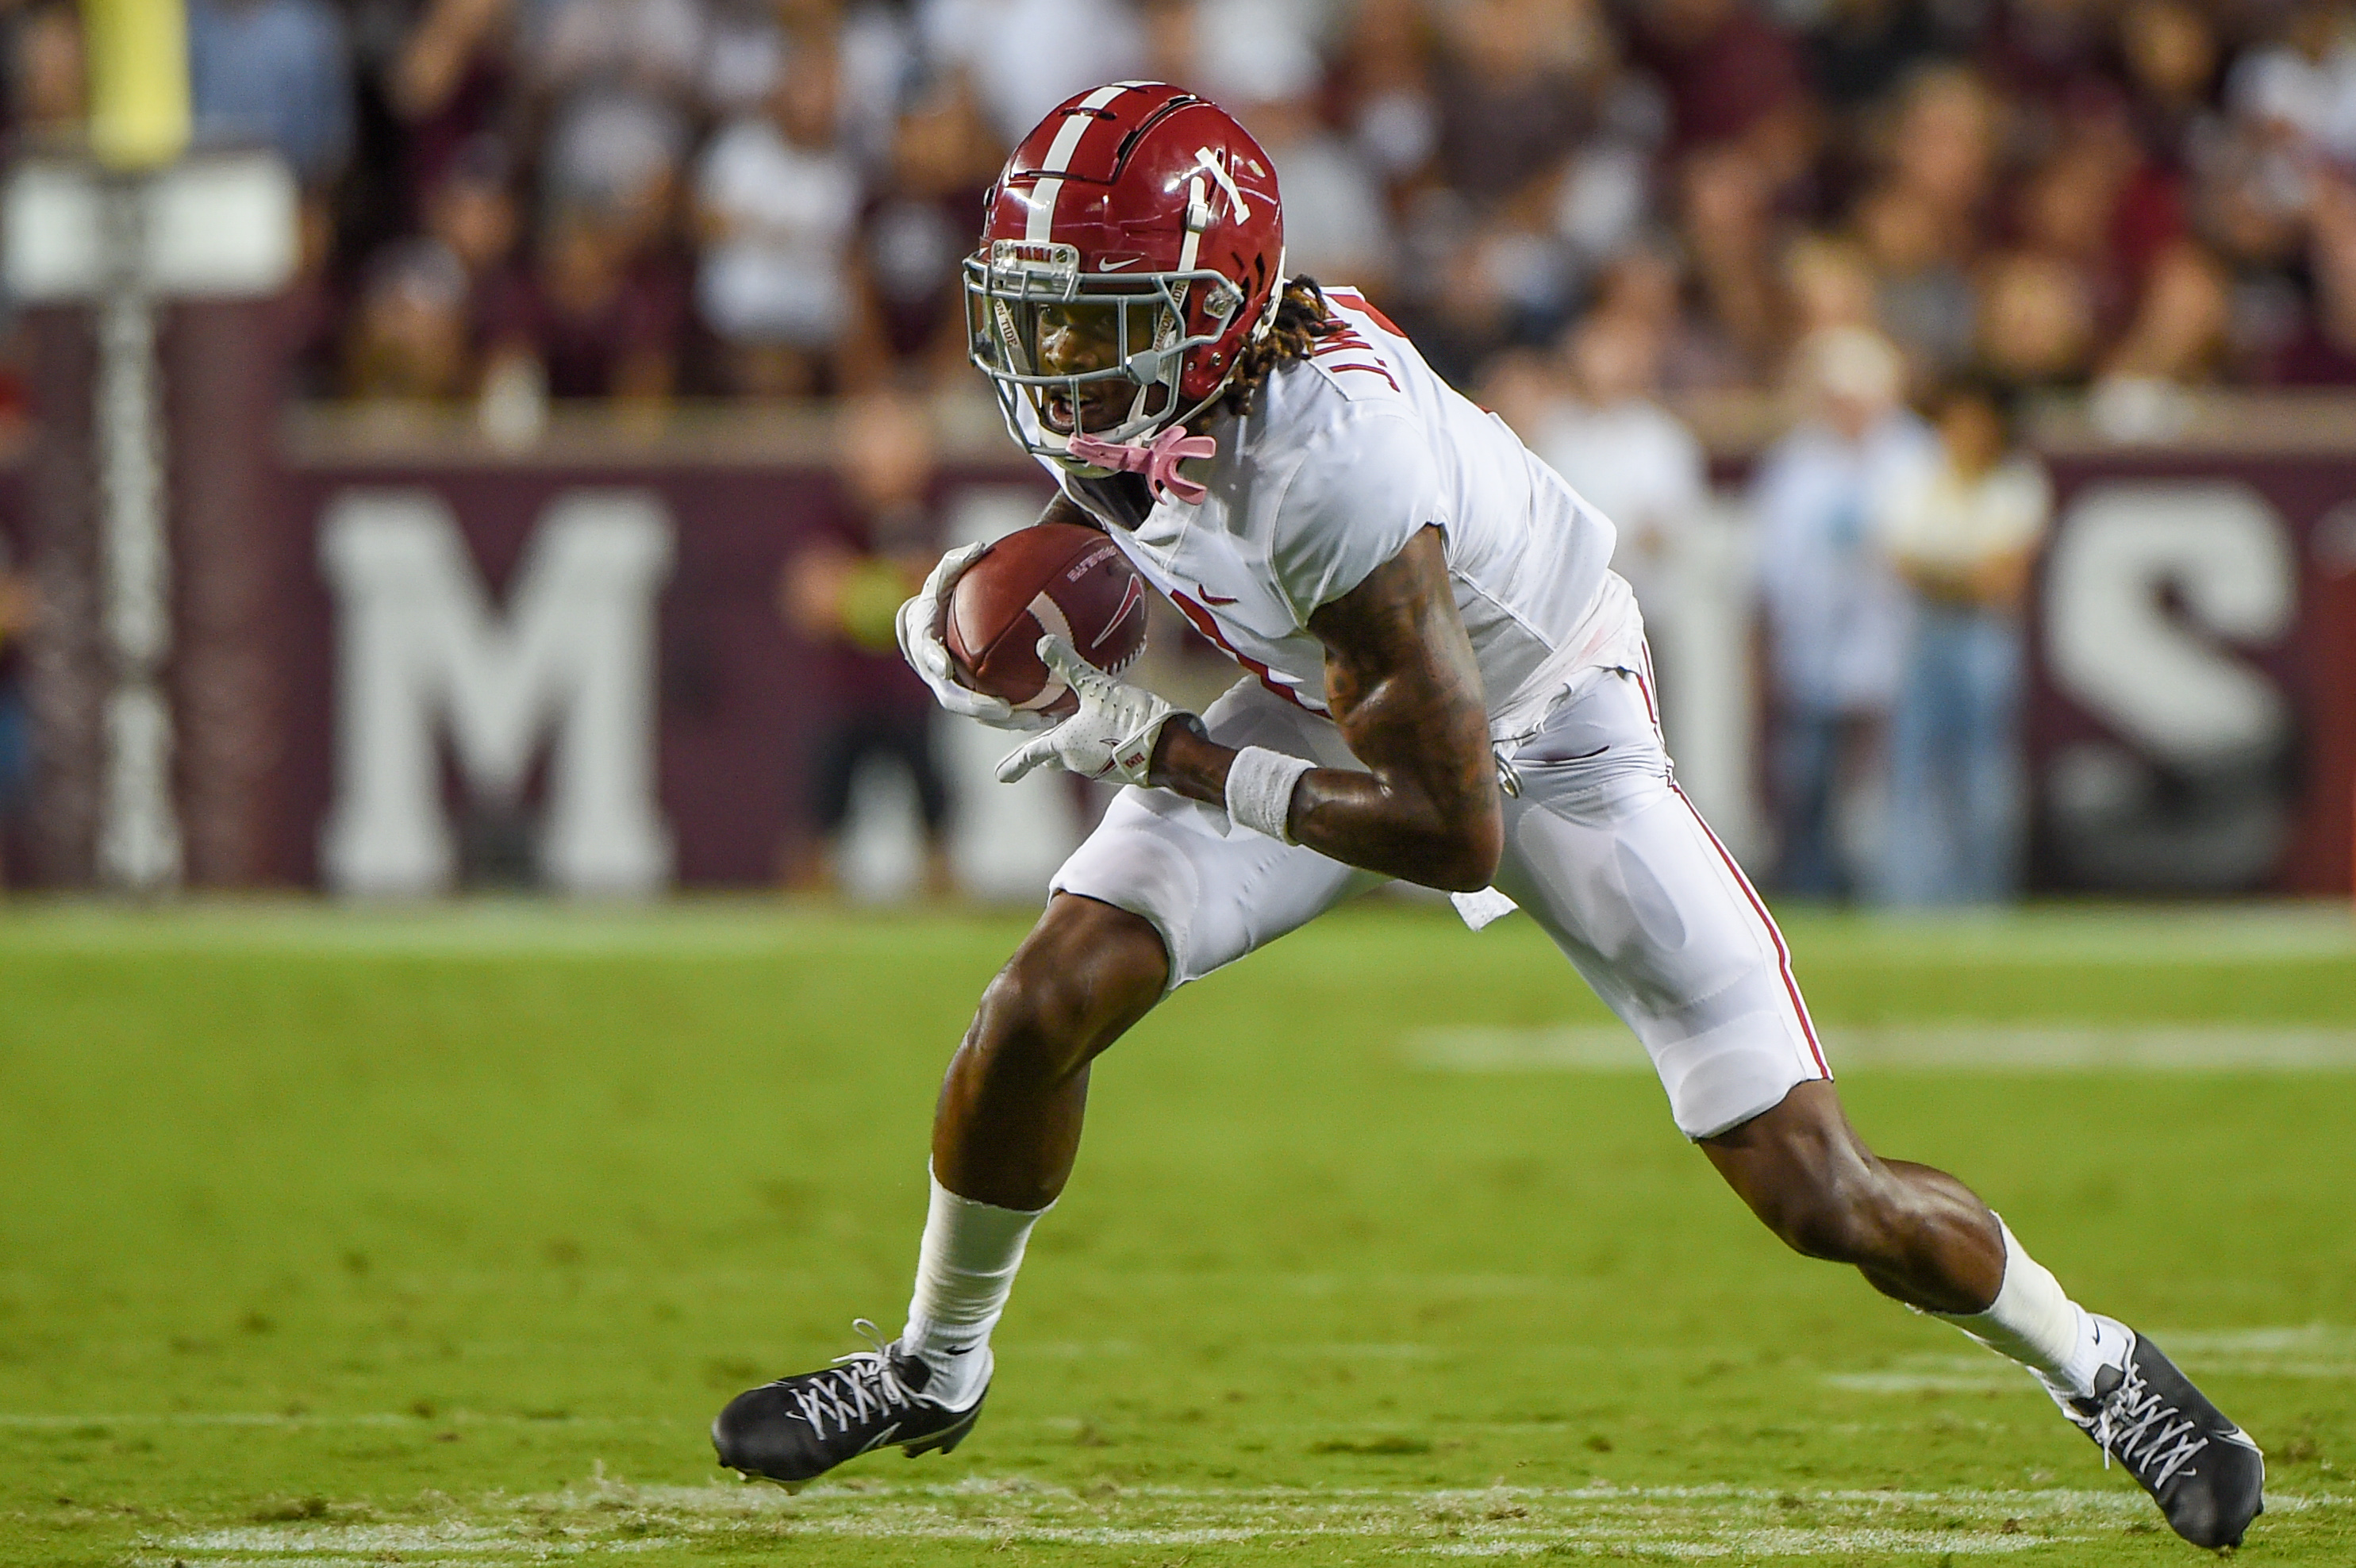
[881, 1438]
[1210, 599]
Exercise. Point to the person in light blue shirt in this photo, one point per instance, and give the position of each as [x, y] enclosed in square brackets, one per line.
[273, 73]
[1836, 614]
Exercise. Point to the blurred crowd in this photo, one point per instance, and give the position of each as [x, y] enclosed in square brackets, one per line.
[638, 199]
[1907, 213]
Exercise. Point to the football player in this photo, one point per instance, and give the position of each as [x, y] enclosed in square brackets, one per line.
[1446, 684]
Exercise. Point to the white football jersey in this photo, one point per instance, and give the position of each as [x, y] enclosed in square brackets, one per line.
[1345, 457]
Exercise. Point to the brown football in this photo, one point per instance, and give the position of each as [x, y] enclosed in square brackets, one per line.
[1051, 577]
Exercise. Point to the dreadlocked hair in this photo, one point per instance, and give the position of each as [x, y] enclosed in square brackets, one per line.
[1301, 323]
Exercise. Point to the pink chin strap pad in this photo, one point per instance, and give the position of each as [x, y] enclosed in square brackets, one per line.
[1158, 463]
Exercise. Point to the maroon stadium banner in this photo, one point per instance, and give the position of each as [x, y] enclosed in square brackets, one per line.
[2193, 727]
[570, 669]
[480, 652]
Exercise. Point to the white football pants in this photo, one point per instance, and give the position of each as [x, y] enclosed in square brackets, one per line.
[1602, 849]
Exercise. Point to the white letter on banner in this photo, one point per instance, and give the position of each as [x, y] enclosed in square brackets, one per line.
[2162, 683]
[572, 662]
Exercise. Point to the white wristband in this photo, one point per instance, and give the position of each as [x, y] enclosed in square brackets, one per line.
[1259, 791]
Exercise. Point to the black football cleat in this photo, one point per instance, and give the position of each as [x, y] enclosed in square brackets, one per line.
[2205, 1474]
[798, 1428]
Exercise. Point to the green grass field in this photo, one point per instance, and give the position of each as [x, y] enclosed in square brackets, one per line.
[437, 1238]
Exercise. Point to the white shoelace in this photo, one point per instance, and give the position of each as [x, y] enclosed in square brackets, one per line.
[862, 1384]
[2147, 1430]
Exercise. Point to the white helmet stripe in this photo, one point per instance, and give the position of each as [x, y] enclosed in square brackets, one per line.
[1039, 225]
[1067, 141]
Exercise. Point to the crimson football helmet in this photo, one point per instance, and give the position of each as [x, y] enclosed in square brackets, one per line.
[1141, 196]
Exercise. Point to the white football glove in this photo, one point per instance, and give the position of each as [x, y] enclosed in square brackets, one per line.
[1111, 737]
[919, 624]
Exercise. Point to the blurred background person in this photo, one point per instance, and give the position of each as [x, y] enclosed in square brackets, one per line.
[16, 612]
[409, 338]
[277, 74]
[1962, 523]
[47, 77]
[838, 594]
[1835, 611]
[1024, 57]
[777, 204]
[600, 313]
[1631, 458]
[914, 232]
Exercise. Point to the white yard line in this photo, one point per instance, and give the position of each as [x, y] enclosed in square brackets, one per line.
[1992, 1046]
[1700, 1522]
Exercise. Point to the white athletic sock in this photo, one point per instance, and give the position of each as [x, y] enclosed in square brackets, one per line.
[965, 1271]
[2034, 1322]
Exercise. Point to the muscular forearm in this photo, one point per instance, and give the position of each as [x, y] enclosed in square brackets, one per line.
[1356, 818]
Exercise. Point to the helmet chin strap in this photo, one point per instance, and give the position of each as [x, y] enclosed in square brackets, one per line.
[1158, 462]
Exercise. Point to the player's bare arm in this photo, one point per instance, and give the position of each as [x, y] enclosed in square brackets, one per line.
[1403, 686]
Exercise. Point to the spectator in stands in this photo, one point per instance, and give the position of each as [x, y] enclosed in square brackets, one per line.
[1728, 214]
[276, 74]
[1941, 150]
[2036, 315]
[1922, 289]
[411, 334]
[2177, 338]
[2169, 52]
[1516, 84]
[1835, 611]
[1827, 284]
[916, 232]
[1861, 49]
[837, 595]
[1336, 226]
[448, 84]
[2322, 348]
[471, 208]
[1237, 52]
[1735, 81]
[2041, 53]
[47, 78]
[1259, 60]
[600, 314]
[1961, 523]
[2300, 90]
[874, 42]
[1635, 461]
[16, 613]
[777, 203]
[616, 80]
[1382, 74]
[1024, 57]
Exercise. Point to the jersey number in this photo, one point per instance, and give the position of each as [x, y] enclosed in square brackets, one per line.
[1347, 341]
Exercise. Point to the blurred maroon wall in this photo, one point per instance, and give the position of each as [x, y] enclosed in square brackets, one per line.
[734, 701]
